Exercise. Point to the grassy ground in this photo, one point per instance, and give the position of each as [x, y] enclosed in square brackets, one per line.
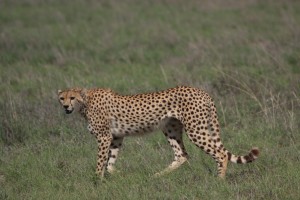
[246, 54]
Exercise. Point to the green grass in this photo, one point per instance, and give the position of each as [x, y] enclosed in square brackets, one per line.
[246, 54]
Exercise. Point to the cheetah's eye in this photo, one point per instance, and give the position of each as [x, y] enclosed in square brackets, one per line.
[61, 98]
[72, 98]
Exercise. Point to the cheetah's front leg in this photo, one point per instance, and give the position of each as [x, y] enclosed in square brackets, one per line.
[113, 154]
[104, 141]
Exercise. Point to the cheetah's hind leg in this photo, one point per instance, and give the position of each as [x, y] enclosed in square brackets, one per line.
[173, 131]
[174, 165]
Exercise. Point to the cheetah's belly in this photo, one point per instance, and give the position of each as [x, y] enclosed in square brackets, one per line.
[120, 129]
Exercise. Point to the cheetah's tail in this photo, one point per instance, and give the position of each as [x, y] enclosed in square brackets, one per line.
[244, 159]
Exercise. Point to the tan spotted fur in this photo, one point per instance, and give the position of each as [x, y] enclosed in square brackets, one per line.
[111, 117]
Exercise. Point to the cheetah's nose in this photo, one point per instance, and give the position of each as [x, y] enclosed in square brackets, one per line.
[66, 106]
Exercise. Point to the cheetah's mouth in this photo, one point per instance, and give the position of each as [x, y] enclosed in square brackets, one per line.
[69, 111]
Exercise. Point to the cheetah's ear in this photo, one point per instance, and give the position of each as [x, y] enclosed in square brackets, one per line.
[84, 94]
[59, 91]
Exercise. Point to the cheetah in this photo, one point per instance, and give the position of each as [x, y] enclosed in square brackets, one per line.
[112, 116]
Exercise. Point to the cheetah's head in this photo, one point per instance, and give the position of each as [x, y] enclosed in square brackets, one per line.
[70, 99]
